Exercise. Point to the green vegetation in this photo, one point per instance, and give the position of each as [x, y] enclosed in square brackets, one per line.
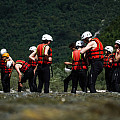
[22, 23]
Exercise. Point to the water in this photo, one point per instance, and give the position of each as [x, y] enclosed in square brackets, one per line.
[59, 106]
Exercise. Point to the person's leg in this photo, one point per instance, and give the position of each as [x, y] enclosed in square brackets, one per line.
[66, 82]
[40, 78]
[83, 80]
[96, 69]
[74, 81]
[5, 82]
[107, 79]
[46, 78]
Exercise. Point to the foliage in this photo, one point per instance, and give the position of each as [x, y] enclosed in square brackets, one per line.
[22, 23]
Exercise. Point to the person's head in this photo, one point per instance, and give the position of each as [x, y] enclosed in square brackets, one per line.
[5, 56]
[2, 51]
[47, 39]
[108, 50]
[80, 44]
[117, 44]
[86, 36]
[72, 46]
[32, 49]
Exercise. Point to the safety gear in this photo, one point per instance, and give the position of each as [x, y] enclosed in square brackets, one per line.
[78, 60]
[9, 64]
[86, 34]
[24, 64]
[5, 55]
[67, 70]
[33, 63]
[3, 51]
[115, 64]
[107, 59]
[33, 48]
[96, 53]
[109, 48]
[40, 52]
[80, 43]
[47, 37]
[3, 67]
[117, 42]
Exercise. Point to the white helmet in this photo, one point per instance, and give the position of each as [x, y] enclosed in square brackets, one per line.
[33, 48]
[67, 70]
[9, 64]
[109, 48]
[47, 37]
[80, 43]
[3, 51]
[117, 42]
[86, 34]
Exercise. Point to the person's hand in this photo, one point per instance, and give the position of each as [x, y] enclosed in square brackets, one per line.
[20, 84]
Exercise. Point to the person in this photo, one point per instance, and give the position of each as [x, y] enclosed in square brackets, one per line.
[34, 65]
[67, 79]
[94, 49]
[44, 60]
[108, 59]
[2, 51]
[5, 71]
[79, 69]
[116, 65]
[23, 67]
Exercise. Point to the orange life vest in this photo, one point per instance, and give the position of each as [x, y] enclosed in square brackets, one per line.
[4, 67]
[40, 52]
[96, 53]
[107, 59]
[78, 61]
[24, 64]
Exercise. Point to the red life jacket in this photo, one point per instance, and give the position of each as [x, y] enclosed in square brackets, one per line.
[2, 63]
[107, 59]
[78, 61]
[4, 67]
[115, 64]
[97, 52]
[24, 64]
[32, 62]
[40, 52]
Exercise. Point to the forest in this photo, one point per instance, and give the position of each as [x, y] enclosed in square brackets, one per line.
[22, 24]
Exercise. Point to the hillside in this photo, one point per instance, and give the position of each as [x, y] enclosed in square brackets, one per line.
[22, 23]
[111, 33]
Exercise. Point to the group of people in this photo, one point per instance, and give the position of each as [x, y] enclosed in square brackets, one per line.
[93, 54]
[87, 51]
[39, 63]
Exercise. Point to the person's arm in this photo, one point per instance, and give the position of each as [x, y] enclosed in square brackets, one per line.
[46, 50]
[35, 69]
[67, 63]
[17, 67]
[31, 56]
[117, 56]
[11, 72]
[10, 59]
[89, 46]
[46, 53]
